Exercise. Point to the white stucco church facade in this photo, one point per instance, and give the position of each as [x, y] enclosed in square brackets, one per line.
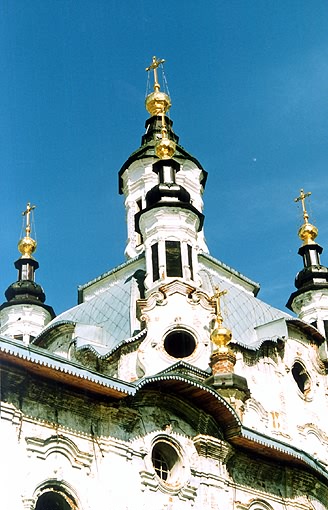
[170, 386]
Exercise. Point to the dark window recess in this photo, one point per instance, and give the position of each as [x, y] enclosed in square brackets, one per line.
[139, 239]
[314, 323]
[173, 258]
[52, 501]
[18, 337]
[325, 323]
[154, 258]
[190, 261]
[160, 465]
[166, 461]
[179, 344]
[301, 378]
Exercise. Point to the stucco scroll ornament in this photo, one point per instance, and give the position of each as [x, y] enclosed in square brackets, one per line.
[144, 318]
[200, 297]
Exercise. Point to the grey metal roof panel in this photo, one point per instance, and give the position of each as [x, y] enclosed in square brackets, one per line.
[109, 309]
[125, 265]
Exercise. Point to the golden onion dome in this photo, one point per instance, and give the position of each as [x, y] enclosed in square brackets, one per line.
[27, 246]
[157, 103]
[221, 337]
[165, 148]
[308, 233]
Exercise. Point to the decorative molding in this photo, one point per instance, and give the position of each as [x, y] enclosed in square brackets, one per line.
[213, 448]
[59, 444]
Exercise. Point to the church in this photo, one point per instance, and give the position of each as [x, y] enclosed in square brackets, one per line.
[170, 385]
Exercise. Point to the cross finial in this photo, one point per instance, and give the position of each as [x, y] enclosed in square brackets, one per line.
[27, 213]
[301, 199]
[154, 65]
[216, 300]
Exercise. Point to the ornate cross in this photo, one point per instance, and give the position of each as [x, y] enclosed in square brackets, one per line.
[216, 299]
[154, 65]
[27, 213]
[301, 199]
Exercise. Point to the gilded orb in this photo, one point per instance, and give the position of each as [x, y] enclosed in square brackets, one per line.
[165, 148]
[308, 233]
[157, 103]
[27, 246]
[221, 336]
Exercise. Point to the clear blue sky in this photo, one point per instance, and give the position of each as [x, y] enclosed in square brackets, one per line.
[249, 85]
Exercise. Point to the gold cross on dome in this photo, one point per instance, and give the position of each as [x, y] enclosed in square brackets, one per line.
[301, 199]
[154, 65]
[216, 300]
[27, 213]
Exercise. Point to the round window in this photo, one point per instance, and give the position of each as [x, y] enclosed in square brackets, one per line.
[301, 377]
[179, 344]
[166, 462]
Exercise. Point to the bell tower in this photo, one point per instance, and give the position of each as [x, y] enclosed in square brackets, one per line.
[163, 186]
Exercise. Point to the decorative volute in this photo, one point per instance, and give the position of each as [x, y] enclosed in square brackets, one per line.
[25, 314]
[310, 300]
[163, 186]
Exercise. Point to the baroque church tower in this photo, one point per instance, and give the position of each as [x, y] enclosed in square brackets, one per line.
[170, 375]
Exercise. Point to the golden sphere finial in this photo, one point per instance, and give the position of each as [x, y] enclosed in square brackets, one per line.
[165, 148]
[308, 233]
[221, 337]
[157, 103]
[27, 246]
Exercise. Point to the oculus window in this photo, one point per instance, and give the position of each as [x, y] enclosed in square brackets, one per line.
[179, 344]
[167, 462]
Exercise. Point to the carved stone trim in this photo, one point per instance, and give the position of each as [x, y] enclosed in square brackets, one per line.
[59, 444]
[213, 448]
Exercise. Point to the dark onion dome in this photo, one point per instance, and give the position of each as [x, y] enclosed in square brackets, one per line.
[26, 291]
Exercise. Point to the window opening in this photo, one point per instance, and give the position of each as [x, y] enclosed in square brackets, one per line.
[167, 175]
[52, 501]
[301, 378]
[325, 323]
[166, 462]
[173, 258]
[154, 258]
[26, 272]
[179, 344]
[160, 465]
[190, 261]
[138, 208]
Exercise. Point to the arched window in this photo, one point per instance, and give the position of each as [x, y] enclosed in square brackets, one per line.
[55, 499]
